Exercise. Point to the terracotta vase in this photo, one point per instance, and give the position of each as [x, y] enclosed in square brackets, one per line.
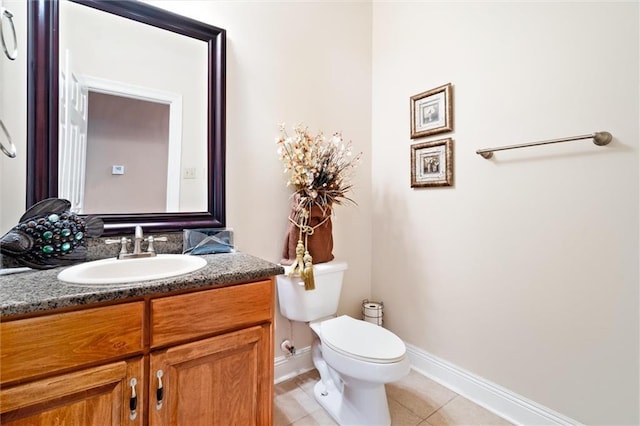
[319, 243]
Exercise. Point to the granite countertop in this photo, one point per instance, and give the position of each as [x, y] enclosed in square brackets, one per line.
[37, 291]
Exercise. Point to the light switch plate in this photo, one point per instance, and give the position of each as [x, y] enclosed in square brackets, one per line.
[189, 173]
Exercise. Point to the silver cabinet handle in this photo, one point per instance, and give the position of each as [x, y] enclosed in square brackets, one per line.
[159, 390]
[133, 401]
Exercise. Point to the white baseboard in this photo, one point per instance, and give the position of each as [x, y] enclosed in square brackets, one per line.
[288, 367]
[508, 405]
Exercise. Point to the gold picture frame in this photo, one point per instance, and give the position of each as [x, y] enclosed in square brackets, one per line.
[432, 112]
[432, 163]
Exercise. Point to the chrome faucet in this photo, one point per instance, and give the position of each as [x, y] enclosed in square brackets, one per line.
[138, 238]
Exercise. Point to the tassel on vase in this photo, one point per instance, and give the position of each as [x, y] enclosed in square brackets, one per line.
[307, 273]
[297, 268]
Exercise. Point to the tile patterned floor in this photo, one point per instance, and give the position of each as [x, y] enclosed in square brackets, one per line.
[414, 400]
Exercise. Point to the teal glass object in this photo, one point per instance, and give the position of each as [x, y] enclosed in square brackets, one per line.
[65, 246]
[79, 235]
[47, 235]
[53, 218]
[47, 249]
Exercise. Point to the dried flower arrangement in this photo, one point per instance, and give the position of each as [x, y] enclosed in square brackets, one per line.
[319, 170]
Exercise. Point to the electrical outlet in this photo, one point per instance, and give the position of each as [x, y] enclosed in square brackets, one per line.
[189, 173]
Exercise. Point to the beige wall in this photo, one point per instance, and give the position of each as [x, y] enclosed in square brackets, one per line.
[526, 271]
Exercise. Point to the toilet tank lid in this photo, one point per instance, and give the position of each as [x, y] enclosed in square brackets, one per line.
[328, 267]
[362, 340]
[324, 268]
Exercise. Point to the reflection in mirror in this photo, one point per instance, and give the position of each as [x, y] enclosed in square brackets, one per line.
[131, 125]
[126, 157]
[119, 64]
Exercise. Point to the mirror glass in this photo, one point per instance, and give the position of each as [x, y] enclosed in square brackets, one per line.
[132, 129]
[129, 133]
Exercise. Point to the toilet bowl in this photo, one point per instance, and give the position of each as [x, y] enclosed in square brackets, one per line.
[361, 349]
[354, 358]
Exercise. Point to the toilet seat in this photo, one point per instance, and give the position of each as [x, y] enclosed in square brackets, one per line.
[362, 340]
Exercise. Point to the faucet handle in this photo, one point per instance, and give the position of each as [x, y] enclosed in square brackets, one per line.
[150, 239]
[123, 244]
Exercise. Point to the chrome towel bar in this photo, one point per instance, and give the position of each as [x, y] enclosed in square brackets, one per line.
[12, 54]
[10, 150]
[599, 138]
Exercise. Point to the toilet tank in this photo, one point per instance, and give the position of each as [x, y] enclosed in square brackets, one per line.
[298, 304]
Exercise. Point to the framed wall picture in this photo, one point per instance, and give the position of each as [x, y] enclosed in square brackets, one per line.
[432, 163]
[432, 112]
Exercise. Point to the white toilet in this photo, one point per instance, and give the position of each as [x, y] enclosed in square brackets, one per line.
[354, 358]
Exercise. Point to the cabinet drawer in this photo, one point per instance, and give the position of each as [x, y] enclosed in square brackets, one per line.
[38, 346]
[188, 316]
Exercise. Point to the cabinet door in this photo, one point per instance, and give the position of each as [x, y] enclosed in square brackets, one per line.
[224, 380]
[93, 396]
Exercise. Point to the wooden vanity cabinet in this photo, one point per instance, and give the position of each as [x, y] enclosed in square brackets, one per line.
[224, 379]
[206, 359]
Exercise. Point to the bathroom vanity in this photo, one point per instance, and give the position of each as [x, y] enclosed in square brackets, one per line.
[190, 350]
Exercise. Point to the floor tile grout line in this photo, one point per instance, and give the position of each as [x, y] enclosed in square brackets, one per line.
[409, 409]
[455, 395]
[442, 406]
[306, 413]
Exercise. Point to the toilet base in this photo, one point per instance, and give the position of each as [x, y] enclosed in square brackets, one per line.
[366, 407]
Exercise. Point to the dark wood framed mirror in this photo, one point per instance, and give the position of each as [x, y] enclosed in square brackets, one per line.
[43, 115]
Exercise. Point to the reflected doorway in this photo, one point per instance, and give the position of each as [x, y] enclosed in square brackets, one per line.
[129, 160]
[127, 155]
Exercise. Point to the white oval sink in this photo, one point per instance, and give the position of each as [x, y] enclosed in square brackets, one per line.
[118, 271]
